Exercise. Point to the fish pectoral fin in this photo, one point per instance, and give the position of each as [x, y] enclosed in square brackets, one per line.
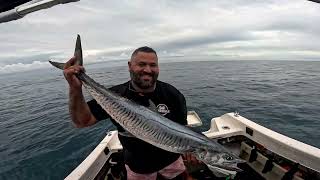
[152, 106]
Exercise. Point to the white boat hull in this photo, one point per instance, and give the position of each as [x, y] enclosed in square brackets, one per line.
[225, 129]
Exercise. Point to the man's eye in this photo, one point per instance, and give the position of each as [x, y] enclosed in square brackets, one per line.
[141, 64]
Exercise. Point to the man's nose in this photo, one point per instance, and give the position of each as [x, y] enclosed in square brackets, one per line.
[147, 69]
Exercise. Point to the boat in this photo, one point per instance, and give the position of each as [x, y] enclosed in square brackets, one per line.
[17, 9]
[268, 154]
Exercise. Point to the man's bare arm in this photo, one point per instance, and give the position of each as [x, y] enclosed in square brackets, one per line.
[78, 108]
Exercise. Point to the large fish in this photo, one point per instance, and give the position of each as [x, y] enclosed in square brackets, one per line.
[151, 127]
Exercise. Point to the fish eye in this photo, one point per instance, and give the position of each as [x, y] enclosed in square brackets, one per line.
[227, 157]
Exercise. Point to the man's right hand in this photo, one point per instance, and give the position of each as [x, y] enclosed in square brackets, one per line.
[70, 71]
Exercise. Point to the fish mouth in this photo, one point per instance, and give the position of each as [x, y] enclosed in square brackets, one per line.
[222, 171]
[240, 161]
[234, 168]
[231, 167]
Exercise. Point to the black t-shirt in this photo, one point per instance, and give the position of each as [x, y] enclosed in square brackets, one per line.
[141, 156]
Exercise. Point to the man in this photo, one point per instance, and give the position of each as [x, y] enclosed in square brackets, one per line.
[142, 160]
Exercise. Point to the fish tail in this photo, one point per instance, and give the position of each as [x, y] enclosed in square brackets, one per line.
[57, 64]
[77, 54]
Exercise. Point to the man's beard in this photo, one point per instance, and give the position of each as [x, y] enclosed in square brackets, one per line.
[138, 81]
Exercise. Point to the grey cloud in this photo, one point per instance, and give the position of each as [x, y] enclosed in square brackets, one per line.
[201, 40]
[41, 57]
[125, 25]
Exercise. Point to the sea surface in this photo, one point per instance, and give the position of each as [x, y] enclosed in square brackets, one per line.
[39, 142]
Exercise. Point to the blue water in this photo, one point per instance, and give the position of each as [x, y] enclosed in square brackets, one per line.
[38, 141]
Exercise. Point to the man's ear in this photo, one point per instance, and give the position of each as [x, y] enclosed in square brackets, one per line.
[129, 65]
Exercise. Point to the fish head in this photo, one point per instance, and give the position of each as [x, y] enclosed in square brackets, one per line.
[220, 158]
[227, 161]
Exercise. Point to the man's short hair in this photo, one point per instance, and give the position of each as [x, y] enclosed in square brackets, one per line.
[145, 49]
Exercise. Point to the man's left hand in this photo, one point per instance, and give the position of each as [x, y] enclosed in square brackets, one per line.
[190, 159]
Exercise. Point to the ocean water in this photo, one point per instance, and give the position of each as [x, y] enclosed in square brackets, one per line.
[38, 140]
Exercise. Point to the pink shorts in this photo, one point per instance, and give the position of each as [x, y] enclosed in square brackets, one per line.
[169, 172]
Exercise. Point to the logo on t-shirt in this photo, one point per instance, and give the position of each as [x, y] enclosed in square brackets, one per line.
[163, 109]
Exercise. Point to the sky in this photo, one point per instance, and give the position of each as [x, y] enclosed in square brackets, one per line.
[186, 30]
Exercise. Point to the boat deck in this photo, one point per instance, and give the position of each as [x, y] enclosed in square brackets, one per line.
[269, 155]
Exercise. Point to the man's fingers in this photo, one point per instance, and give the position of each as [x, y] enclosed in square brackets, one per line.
[187, 156]
[70, 62]
[194, 160]
[76, 69]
